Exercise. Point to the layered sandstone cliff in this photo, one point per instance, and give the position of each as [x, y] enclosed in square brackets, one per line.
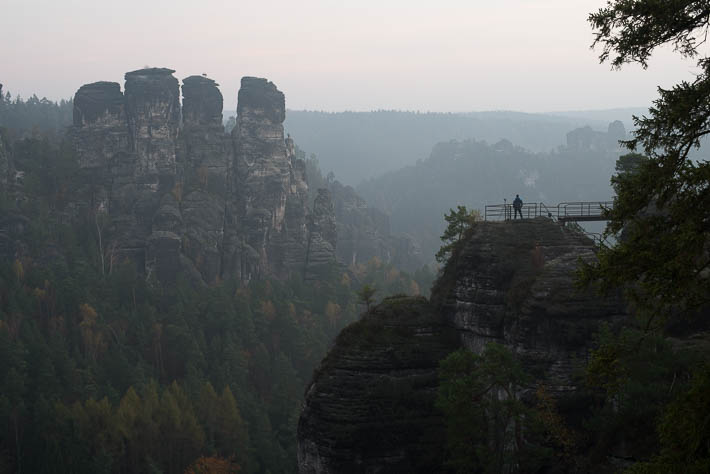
[181, 195]
[370, 406]
[510, 283]
[514, 283]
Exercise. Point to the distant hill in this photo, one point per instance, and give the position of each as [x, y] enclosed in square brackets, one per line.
[475, 173]
[606, 115]
[362, 145]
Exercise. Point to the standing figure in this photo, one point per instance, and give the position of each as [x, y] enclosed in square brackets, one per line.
[517, 207]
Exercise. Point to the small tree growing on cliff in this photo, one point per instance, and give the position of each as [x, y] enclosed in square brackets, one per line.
[489, 427]
[367, 295]
[459, 221]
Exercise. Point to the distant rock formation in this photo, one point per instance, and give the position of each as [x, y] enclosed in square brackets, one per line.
[182, 195]
[364, 233]
[322, 233]
[587, 139]
[205, 158]
[263, 178]
[370, 406]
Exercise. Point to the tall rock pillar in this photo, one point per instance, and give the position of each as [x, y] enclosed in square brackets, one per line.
[147, 183]
[101, 141]
[262, 171]
[204, 158]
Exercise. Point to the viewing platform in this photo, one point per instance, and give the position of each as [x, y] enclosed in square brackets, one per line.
[563, 212]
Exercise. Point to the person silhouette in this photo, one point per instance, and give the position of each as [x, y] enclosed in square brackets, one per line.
[517, 207]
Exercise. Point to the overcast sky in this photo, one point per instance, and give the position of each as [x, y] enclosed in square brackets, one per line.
[467, 55]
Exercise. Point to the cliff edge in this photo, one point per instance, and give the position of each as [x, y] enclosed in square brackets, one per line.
[510, 283]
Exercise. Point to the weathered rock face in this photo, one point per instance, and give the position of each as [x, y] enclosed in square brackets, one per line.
[587, 139]
[101, 142]
[322, 234]
[364, 233]
[153, 110]
[616, 132]
[370, 406]
[510, 283]
[513, 283]
[205, 159]
[202, 101]
[262, 168]
[180, 193]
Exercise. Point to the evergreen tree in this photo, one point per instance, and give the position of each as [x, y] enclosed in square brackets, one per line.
[459, 221]
[662, 207]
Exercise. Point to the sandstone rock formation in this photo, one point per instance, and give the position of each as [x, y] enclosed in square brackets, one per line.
[179, 193]
[205, 166]
[370, 406]
[101, 143]
[587, 139]
[169, 190]
[364, 232]
[512, 283]
[322, 233]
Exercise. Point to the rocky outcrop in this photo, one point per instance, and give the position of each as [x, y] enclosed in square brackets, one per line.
[587, 139]
[261, 169]
[370, 407]
[322, 234]
[153, 114]
[153, 111]
[510, 283]
[364, 233]
[101, 143]
[205, 160]
[182, 195]
[514, 283]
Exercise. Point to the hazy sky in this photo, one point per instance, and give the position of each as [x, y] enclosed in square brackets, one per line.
[528, 55]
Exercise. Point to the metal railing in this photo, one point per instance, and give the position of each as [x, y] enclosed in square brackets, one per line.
[496, 212]
[563, 212]
[582, 211]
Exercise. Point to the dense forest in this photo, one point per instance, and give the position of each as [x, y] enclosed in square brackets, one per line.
[34, 114]
[107, 372]
[104, 369]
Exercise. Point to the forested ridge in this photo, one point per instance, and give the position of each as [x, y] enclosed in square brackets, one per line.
[475, 174]
[357, 146]
[25, 115]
